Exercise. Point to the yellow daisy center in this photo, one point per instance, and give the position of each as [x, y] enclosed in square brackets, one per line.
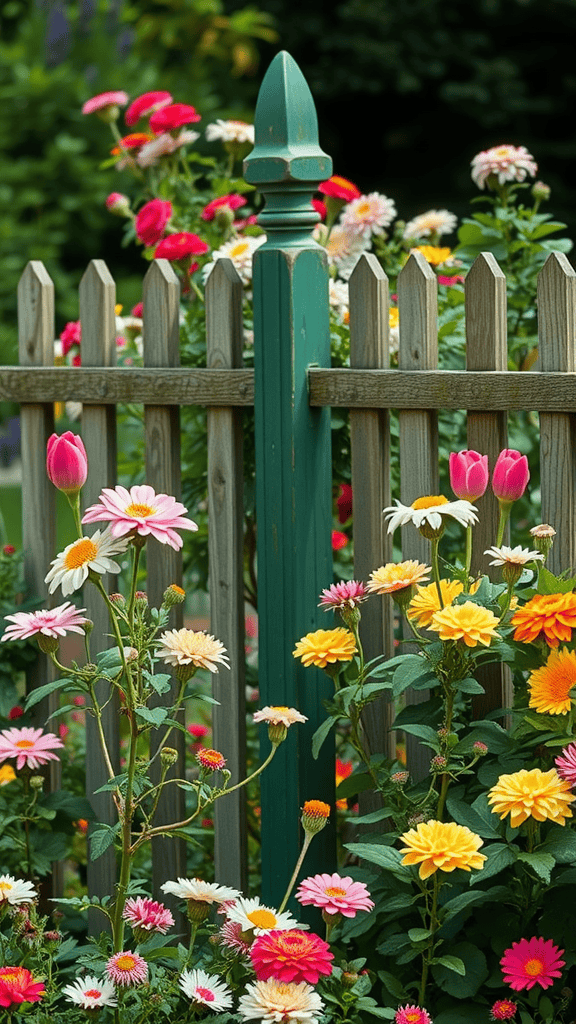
[335, 891]
[239, 250]
[5, 887]
[139, 511]
[363, 208]
[82, 552]
[533, 968]
[24, 744]
[429, 500]
[413, 1015]
[126, 963]
[262, 918]
[279, 707]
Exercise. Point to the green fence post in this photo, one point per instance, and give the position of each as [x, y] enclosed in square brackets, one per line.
[293, 462]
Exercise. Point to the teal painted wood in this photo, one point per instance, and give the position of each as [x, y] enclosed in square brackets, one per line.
[293, 463]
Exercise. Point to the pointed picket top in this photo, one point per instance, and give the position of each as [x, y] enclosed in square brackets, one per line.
[161, 330]
[224, 326]
[369, 315]
[418, 315]
[97, 299]
[36, 316]
[485, 304]
[557, 314]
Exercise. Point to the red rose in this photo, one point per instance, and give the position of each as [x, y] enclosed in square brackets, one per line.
[231, 202]
[177, 247]
[152, 219]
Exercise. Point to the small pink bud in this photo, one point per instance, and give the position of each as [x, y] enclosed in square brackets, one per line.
[119, 204]
[66, 462]
[468, 474]
[511, 475]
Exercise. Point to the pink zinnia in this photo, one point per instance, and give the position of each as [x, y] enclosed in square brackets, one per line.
[142, 511]
[127, 968]
[198, 731]
[346, 594]
[566, 764]
[31, 747]
[146, 104]
[18, 986]
[103, 100]
[291, 955]
[146, 916]
[71, 335]
[173, 116]
[412, 1015]
[179, 246]
[231, 202]
[151, 220]
[49, 621]
[531, 962]
[503, 1009]
[334, 894]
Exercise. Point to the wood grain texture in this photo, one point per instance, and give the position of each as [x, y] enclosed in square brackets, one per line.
[370, 457]
[224, 344]
[97, 297]
[557, 348]
[146, 385]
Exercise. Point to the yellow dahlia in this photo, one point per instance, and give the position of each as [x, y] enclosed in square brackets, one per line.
[532, 794]
[442, 846]
[397, 576]
[551, 617]
[426, 601]
[550, 685]
[468, 622]
[325, 647]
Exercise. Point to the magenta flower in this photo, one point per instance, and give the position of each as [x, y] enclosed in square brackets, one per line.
[146, 104]
[346, 594]
[566, 764]
[105, 100]
[141, 511]
[503, 1009]
[291, 955]
[52, 622]
[229, 202]
[173, 116]
[146, 916]
[334, 894]
[412, 1015]
[151, 221]
[31, 747]
[531, 962]
[180, 246]
[511, 475]
[67, 462]
[118, 203]
[468, 474]
[127, 969]
[71, 335]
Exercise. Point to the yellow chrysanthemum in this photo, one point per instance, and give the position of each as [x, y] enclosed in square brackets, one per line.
[442, 846]
[426, 601]
[532, 794]
[7, 774]
[550, 685]
[397, 576]
[434, 254]
[326, 647]
[468, 622]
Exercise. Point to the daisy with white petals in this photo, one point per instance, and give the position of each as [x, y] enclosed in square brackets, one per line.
[203, 892]
[434, 222]
[279, 715]
[368, 215]
[70, 568]
[205, 991]
[230, 131]
[252, 916]
[271, 1002]
[241, 251]
[344, 247]
[14, 891]
[91, 993]
[430, 511]
[513, 556]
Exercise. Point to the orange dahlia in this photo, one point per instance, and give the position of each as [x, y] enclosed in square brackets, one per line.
[550, 685]
[469, 622]
[551, 617]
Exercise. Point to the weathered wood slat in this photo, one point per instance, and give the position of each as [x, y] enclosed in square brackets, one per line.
[161, 348]
[486, 349]
[557, 351]
[174, 386]
[370, 456]
[97, 296]
[224, 345]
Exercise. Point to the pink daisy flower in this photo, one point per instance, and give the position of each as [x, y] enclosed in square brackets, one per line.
[291, 955]
[146, 916]
[503, 1009]
[31, 747]
[531, 962]
[103, 100]
[565, 764]
[52, 622]
[507, 163]
[127, 968]
[347, 594]
[334, 894]
[230, 935]
[146, 104]
[412, 1015]
[142, 511]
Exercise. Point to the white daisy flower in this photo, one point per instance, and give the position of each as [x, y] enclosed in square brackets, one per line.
[205, 990]
[431, 511]
[240, 250]
[279, 715]
[203, 892]
[433, 222]
[338, 296]
[91, 993]
[344, 247]
[15, 891]
[252, 916]
[230, 131]
[507, 163]
[513, 556]
[163, 145]
[368, 215]
[270, 1002]
[70, 569]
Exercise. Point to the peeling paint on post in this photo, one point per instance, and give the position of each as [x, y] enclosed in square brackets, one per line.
[293, 463]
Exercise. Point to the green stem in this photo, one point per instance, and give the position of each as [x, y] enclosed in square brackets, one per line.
[133, 583]
[307, 840]
[435, 568]
[468, 559]
[505, 509]
[194, 926]
[426, 956]
[74, 502]
[118, 636]
[127, 853]
[508, 600]
[101, 733]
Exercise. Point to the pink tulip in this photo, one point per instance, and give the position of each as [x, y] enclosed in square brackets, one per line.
[66, 462]
[511, 475]
[468, 474]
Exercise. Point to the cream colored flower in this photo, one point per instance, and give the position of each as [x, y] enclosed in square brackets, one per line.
[199, 891]
[270, 1002]
[70, 569]
[279, 715]
[434, 222]
[185, 647]
[513, 556]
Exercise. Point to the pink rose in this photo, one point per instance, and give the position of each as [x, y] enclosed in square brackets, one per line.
[511, 475]
[152, 219]
[66, 462]
[118, 203]
[71, 335]
[468, 474]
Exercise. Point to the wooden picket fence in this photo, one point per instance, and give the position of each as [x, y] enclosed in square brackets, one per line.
[369, 389]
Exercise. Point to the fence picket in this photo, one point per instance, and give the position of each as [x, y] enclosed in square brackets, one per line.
[97, 296]
[224, 345]
[557, 348]
[370, 457]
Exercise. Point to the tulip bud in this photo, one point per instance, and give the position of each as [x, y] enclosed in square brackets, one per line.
[511, 475]
[66, 462]
[468, 474]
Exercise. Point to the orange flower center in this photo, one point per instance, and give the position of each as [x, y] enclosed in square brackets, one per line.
[83, 551]
[239, 249]
[363, 208]
[429, 501]
[210, 757]
[93, 993]
[24, 744]
[316, 809]
[335, 891]
[413, 1015]
[263, 918]
[139, 511]
[126, 963]
[174, 586]
[533, 968]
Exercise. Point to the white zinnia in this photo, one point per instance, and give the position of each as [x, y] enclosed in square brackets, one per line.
[203, 892]
[230, 131]
[279, 715]
[240, 250]
[253, 916]
[462, 511]
[273, 1002]
[368, 215]
[205, 990]
[163, 145]
[70, 568]
[91, 993]
[338, 296]
[508, 163]
[433, 222]
[16, 890]
[186, 647]
[513, 556]
[344, 247]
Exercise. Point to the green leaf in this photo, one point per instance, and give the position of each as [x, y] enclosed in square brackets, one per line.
[500, 856]
[550, 584]
[413, 668]
[102, 839]
[453, 963]
[471, 1013]
[464, 814]
[154, 716]
[369, 819]
[475, 973]
[463, 902]
[469, 685]
[419, 934]
[320, 735]
[35, 696]
[354, 784]
[541, 863]
[161, 683]
[561, 844]
[423, 732]
[384, 856]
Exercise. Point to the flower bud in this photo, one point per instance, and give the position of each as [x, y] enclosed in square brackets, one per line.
[540, 191]
[168, 756]
[315, 814]
[117, 600]
[67, 462]
[479, 748]
[511, 475]
[48, 644]
[8, 549]
[349, 978]
[400, 778]
[118, 204]
[468, 474]
[438, 764]
[173, 595]
[543, 537]
[37, 781]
